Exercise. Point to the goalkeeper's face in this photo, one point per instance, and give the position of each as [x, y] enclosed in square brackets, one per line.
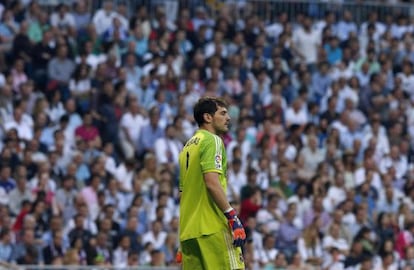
[221, 121]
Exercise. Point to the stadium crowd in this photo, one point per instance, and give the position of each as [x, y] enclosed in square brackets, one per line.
[96, 105]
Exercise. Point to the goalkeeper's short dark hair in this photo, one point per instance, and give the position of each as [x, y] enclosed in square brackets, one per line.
[207, 105]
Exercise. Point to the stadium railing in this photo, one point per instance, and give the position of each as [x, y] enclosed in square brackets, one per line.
[75, 267]
[267, 10]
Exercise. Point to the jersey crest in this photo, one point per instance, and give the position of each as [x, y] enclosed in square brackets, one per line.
[218, 161]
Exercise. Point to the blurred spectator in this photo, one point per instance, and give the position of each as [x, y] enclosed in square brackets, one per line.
[6, 246]
[121, 252]
[62, 18]
[55, 249]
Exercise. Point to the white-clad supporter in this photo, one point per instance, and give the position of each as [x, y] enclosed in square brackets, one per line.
[90, 196]
[386, 261]
[331, 95]
[306, 42]
[352, 135]
[104, 17]
[296, 114]
[43, 176]
[201, 19]
[37, 155]
[400, 27]
[341, 70]
[389, 200]
[396, 160]
[190, 98]
[333, 239]
[328, 21]
[83, 211]
[168, 147]
[6, 102]
[22, 122]
[363, 75]
[125, 174]
[379, 27]
[410, 119]
[236, 179]
[108, 156]
[163, 208]
[268, 252]
[310, 156]
[407, 78]
[261, 86]
[166, 114]
[347, 92]
[310, 246]
[256, 236]
[336, 193]
[346, 26]
[145, 92]
[62, 18]
[80, 85]
[232, 84]
[148, 174]
[81, 14]
[19, 194]
[131, 123]
[333, 260]
[241, 142]
[276, 28]
[4, 197]
[269, 217]
[65, 197]
[55, 110]
[266, 171]
[366, 38]
[216, 46]
[75, 120]
[286, 151]
[115, 197]
[133, 72]
[375, 135]
[94, 60]
[156, 235]
[120, 255]
[303, 203]
[368, 172]
[349, 216]
[355, 114]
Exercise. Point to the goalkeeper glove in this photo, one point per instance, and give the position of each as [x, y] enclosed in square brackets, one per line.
[179, 257]
[236, 227]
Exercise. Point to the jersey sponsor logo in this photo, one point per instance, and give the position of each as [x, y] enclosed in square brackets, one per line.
[217, 161]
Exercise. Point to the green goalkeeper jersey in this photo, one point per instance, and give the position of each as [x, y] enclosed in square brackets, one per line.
[199, 215]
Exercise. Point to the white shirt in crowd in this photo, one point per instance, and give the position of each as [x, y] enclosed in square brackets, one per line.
[307, 44]
[167, 150]
[296, 117]
[133, 124]
[157, 241]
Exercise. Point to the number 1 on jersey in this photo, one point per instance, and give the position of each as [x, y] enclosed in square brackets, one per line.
[188, 158]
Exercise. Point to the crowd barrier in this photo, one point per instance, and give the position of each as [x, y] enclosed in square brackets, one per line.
[267, 10]
[65, 267]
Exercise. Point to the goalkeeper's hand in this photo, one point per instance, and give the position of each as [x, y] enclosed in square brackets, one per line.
[179, 257]
[236, 227]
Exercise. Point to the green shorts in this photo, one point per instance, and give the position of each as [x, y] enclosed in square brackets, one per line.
[212, 252]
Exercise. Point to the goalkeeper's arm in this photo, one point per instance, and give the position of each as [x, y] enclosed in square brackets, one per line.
[216, 190]
[217, 193]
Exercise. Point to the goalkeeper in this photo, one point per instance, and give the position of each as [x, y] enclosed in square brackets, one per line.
[211, 235]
